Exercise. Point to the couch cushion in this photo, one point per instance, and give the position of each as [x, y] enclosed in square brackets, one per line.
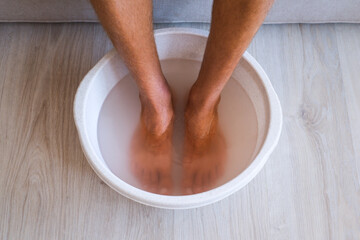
[283, 11]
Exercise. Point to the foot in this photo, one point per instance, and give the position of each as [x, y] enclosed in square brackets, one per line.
[151, 147]
[204, 148]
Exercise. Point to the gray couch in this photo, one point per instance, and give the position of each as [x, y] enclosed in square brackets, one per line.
[283, 11]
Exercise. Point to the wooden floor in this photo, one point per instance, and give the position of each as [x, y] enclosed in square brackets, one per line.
[309, 188]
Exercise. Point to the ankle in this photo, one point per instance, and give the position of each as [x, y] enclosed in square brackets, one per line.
[157, 112]
[200, 116]
[201, 104]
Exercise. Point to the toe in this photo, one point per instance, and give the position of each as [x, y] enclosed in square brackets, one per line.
[198, 183]
[212, 177]
[165, 184]
[154, 178]
[187, 182]
[207, 177]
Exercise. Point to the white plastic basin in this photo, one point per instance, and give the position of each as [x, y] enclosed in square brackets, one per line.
[186, 45]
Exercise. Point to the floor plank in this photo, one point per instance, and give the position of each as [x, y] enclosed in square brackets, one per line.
[309, 189]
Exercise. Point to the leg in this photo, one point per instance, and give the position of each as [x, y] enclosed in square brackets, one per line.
[234, 24]
[129, 26]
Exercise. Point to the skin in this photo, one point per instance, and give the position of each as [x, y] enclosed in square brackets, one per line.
[234, 24]
[129, 25]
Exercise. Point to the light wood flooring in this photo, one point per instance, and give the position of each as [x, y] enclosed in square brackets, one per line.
[309, 188]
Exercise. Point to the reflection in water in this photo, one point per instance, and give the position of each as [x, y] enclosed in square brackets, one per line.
[130, 155]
